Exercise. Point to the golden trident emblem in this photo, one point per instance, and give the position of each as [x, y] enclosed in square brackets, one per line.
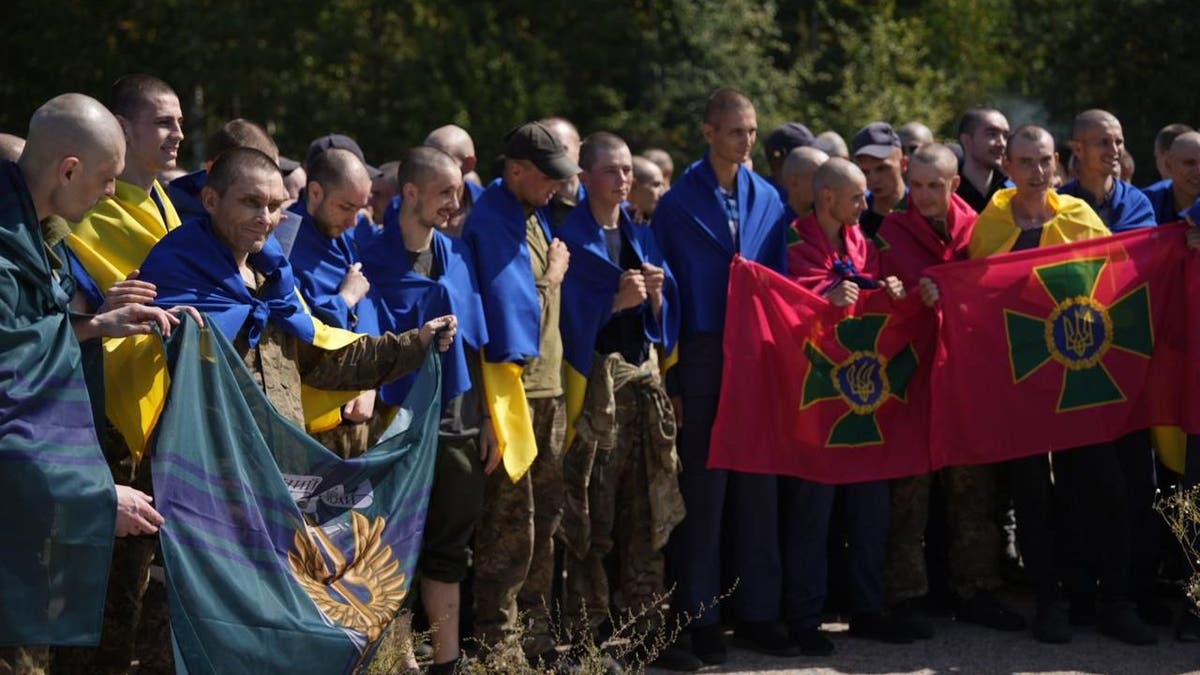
[860, 377]
[1078, 331]
[362, 594]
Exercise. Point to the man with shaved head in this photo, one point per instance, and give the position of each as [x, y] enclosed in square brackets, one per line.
[799, 167]
[1162, 144]
[1089, 480]
[662, 158]
[421, 273]
[983, 133]
[1097, 146]
[912, 136]
[935, 227]
[237, 133]
[831, 143]
[11, 147]
[830, 256]
[716, 210]
[649, 186]
[571, 192]
[1182, 160]
[456, 142]
[74, 153]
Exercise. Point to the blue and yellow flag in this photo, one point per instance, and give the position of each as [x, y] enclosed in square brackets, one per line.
[58, 523]
[280, 556]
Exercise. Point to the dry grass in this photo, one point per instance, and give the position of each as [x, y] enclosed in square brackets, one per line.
[1182, 513]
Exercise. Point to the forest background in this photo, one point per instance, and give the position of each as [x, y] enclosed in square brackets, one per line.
[388, 72]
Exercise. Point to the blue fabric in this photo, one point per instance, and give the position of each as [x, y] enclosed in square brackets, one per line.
[591, 284]
[546, 213]
[190, 266]
[84, 283]
[320, 263]
[495, 233]
[1128, 208]
[692, 230]
[184, 193]
[405, 300]
[1162, 200]
[280, 556]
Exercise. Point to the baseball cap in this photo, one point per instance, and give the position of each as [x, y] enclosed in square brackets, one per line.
[343, 142]
[875, 140]
[535, 143]
[787, 137]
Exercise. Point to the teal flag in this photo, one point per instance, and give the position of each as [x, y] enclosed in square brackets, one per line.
[59, 513]
[280, 556]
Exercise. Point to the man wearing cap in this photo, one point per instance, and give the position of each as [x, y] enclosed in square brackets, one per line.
[983, 134]
[876, 150]
[716, 210]
[237, 133]
[520, 268]
[571, 192]
[1097, 145]
[781, 141]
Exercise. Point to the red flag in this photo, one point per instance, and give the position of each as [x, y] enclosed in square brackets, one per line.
[1059, 347]
[835, 395]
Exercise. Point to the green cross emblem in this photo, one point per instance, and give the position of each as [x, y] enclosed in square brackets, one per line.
[1079, 332]
[864, 380]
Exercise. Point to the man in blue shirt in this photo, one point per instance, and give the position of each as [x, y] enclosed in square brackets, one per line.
[1098, 144]
[1170, 198]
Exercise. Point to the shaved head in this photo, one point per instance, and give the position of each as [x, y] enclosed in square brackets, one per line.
[336, 167]
[803, 159]
[663, 159]
[832, 144]
[11, 147]
[423, 163]
[644, 169]
[1187, 141]
[130, 93]
[938, 156]
[837, 173]
[1167, 135]
[797, 175]
[597, 144]
[722, 101]
[240, 133]
[1030, 133]
[913, 135]
[456, 142]
[1090, 119]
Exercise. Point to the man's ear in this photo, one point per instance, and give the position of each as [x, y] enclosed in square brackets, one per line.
[125, 124]
[66, 169]
[468, 164]
[955, 182]
[709, 131]
[314, 194]
[209, 198]
[409, 192]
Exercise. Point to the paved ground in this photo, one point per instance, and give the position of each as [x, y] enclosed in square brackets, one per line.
[959, 648]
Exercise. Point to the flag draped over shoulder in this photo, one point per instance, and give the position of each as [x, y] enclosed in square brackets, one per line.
[830, 394]
[60, 514]
[281, 557]
[1060, 347]
[319, 263]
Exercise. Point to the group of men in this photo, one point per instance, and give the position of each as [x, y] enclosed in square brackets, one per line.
[579, 300]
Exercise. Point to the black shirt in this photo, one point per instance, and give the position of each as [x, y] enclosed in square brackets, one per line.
[972, 196]
[625, 332]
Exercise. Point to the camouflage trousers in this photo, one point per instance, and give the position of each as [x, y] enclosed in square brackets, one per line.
[514, 544]
[619, 492]
[24, 661]
[974, 539]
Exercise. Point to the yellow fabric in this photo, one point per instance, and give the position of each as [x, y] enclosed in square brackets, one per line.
[323, 408]
[114, 238]
[574, 388]
[996, 231]
[1170, 443]
[111, 241]
[510, 417]
[667, 361]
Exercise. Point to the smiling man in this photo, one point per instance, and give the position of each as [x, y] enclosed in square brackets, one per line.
[1098, 145]
[1169, 198]
[983, 133]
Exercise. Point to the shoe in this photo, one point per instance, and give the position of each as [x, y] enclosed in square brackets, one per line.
[675, 657]
[765, 637]
[1155, 612]
[881, 628]
[1188, 628]
[910, 614]
[1050, 624]
[1120, 620]
[708, 644]
[984, 609]
[812, 642]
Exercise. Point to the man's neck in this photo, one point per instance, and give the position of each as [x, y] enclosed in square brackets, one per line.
[1097, 185]
[979, 175]
[885, 204]
[1031, 210]
[939, 223]
[726, 172]
[1183, 197]
[832, 230]
[135, 177]
[608, 216]
[37, 194]
[416, 236]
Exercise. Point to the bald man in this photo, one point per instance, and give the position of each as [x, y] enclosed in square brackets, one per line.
[716, 210]
[74, 153]
[1162, 144]
[934, 228]
[663, 160]
[832, 144]
[456, 142]
[912, 136]
[648, 187]
[1097, 146]
[11, 147]
[1089, 480]
[799, 167]
[384, 188]
[1171, 198]
[832, 234]
[571, 192]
